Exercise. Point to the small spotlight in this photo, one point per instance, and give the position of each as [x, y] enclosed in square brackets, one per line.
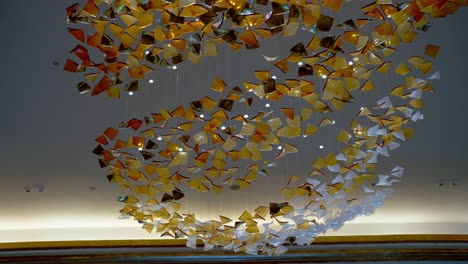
[147, 52]
[159, 138]
[324, 76]
[280, 147]
[333, 122]
[130, 93]
[246, 116]
[181, 149]
[304, 135]
[223, 127]
[273, 77]
[174, 67]
[151, 81]
[202, 116]
[362, 108]
[140, 149]
[350, 63]
[321, 147]
[267, 105]
[300, 63]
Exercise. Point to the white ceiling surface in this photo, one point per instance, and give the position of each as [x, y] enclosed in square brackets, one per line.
[48, 131]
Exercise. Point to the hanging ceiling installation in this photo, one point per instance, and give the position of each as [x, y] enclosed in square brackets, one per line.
[235, 133]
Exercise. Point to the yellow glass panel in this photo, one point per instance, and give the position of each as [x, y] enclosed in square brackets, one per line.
[128, 19]
[273, 139]
[218, 85]
[291, 148]
[432, 50]
[210, 49]
[310, 130]
[352, 37]
[114, 92]
[408, 133]
[384, 67]
[193, 11]
[288, 193]
[306, 113]
[314, 43]
[374, 59]
[416, 61]
[325, 122]
[282, 65]
[343, 136]
[262, 75]
[229, 144]
[352, 84]
[402, 69]
[159, 34]
[333, 4]
[274, 123]
[384, 29]
[320, 70]
[288, 112]
[249, 37]
[368, 86]
[416, 103]
[289, 132]
[426, 67]
[237, 4]
[362, 22]
[243, 184]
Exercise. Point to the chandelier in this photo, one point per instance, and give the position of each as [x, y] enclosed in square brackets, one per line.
[210, 145]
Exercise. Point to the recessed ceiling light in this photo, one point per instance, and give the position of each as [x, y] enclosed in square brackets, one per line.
[130, 93]
[273, 77]
[333, 122]
[147, 52]
[280, 147]
[362, 108]
[321, 147]
[140, 149]
[159, 138]
[304, 135]
[267, 105]
[202, 116]
[300, 63]
[246, 116]
[174, 67]
[223, 127]
[350, 63]
[151, 81]
[324, 76]
[181, 149]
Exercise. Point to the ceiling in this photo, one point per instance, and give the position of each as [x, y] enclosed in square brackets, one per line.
[49, 129]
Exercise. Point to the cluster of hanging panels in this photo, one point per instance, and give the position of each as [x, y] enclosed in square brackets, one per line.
[199, 145]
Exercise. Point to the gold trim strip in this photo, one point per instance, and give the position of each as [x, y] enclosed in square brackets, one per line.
[181, 242]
